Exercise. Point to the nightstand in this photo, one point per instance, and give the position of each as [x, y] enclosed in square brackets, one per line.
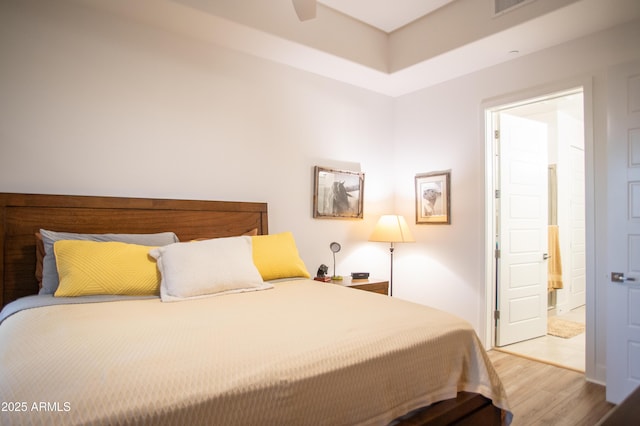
[369, 284]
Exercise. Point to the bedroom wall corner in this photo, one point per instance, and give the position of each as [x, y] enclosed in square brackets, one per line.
[99, 104]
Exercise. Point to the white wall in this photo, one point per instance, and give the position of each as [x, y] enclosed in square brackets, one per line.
[442, 128]
[93, 104]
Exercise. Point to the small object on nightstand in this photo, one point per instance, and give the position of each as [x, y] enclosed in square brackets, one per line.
[322, 271]
[359, 275]
[321, 275]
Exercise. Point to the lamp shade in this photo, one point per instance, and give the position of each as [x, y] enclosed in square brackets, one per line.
[392, 229]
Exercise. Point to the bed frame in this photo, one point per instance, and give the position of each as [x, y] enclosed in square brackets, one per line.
[22, 215]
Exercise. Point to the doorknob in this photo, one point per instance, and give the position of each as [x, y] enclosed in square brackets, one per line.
[618, 277]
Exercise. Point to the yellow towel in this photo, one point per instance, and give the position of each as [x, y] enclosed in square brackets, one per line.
[555, 261]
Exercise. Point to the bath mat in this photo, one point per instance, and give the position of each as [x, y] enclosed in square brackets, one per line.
[563, 328]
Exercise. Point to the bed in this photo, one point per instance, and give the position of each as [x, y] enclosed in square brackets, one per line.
[283, 350]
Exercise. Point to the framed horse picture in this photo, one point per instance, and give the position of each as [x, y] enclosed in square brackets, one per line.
[337, 194]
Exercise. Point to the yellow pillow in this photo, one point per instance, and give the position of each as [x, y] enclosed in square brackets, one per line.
[88, 268]
[276, 256]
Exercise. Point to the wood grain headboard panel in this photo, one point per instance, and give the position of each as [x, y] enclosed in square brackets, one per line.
[22, 215]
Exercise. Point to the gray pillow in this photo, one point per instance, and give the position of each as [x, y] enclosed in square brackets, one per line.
[50, 279]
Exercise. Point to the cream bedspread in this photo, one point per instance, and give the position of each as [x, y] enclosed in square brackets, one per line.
[301, 353]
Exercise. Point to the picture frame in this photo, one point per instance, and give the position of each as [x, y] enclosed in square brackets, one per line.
[433, 197]
[338, 194]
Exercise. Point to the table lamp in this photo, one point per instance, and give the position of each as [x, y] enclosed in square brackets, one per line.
[335, 247]
[392, 229]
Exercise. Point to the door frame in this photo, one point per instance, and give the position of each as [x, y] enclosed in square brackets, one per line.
[514, 99]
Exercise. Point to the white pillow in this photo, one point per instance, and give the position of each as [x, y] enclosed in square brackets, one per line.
[207, 268]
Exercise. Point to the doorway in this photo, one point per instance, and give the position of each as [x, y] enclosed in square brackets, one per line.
[539, 226]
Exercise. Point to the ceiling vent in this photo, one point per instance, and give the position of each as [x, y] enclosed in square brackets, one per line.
[502, 6]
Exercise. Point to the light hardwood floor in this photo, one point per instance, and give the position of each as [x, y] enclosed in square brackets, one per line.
[543, 394]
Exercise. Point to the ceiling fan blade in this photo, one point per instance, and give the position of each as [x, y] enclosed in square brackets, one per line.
[305, 9]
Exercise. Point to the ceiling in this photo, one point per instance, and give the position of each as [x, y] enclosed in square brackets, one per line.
[385, 15]
[393, 47]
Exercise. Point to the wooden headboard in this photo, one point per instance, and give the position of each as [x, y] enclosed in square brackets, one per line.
[22, 215]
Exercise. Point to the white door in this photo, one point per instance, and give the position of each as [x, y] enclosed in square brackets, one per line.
[623, 295]
[522, 230]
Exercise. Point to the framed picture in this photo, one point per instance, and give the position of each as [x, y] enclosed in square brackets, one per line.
[433, 197]
[337, 193]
